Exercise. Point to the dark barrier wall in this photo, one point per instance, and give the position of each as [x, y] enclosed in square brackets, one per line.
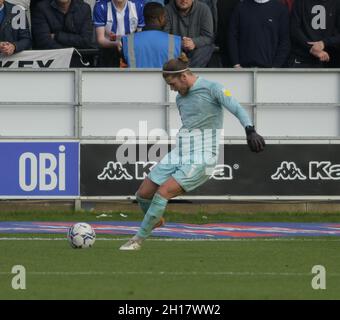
[282, 170]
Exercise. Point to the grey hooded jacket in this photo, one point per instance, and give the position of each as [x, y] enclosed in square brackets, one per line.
[198, 24]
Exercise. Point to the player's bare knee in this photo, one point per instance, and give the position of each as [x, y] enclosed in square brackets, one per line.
[144, 193]
[165, 192]
[147, 189]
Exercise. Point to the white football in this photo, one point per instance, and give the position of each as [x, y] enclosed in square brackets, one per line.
[81, 235]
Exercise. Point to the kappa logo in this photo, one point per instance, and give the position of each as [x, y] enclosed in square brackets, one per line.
[318, 170]
[288, 171]
[324, 170]
[116, 171]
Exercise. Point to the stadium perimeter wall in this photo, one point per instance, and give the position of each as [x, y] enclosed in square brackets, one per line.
[60, 130]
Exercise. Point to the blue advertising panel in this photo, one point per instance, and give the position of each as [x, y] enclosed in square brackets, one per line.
[39, 169]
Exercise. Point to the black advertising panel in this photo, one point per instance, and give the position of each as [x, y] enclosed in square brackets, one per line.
[281, 170]
[103, 173]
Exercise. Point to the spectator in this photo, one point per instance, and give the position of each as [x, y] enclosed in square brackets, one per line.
[259, 34]
[212, 4]
[152, 47]
[12, 39]
[60, 24]
[193, 21]
[315, 33]
[114, 19]
[224, 9]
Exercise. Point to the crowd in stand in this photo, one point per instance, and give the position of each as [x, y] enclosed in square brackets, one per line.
[212, 33]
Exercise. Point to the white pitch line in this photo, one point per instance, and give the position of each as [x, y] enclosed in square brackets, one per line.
[181, 239]
[167, 273]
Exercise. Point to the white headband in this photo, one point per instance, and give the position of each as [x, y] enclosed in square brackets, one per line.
[178, 71]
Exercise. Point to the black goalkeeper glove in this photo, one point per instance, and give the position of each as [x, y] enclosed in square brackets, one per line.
[255, 142]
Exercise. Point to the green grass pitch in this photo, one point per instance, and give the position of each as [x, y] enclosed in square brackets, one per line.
[237, 269]
[165, 269]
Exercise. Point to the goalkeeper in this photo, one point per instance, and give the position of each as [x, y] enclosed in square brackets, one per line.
[191, 163]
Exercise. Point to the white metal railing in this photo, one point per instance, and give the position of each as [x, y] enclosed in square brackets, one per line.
[97, 103]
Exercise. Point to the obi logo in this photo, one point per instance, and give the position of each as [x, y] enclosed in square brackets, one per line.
[42, 171]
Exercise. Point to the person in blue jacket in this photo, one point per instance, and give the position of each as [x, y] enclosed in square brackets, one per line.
[152, 47]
